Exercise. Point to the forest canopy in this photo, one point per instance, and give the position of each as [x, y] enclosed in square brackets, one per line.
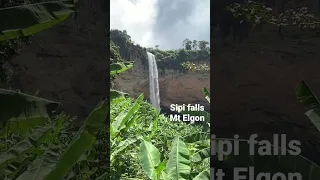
[122, 47]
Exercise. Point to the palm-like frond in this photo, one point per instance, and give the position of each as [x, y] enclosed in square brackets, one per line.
[28, 19]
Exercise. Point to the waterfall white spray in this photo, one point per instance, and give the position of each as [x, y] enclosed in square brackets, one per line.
[153, 82]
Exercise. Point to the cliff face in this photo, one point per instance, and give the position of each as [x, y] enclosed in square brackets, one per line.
[67, 65]
[175, 88]
[254, 88]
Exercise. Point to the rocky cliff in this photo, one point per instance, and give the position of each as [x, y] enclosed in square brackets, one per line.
[255, 88]
[65, 64]
[175, 88]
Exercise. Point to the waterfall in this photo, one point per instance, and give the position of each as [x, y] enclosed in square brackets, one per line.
[153, 82]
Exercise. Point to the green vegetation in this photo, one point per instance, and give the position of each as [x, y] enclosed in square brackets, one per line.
[193, 67]
[38, 142]
[147, 145]
[193, 51]
[308, 98]
[14, 35]
[258, 15]
[139, 136]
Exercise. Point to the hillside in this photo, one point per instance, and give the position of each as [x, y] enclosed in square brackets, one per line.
[177, 85]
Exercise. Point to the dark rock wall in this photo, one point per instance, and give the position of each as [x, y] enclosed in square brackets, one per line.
[66, 64]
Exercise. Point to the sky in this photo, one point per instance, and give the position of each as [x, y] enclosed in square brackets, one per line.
[162, 22]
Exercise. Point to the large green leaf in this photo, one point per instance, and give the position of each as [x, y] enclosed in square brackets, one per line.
[201, 155]
[117, 94]
[149, 157]
[154, 125]
[120, 67]
[121, 146]
[42, 165]
[204, 175]
[178, 166]
[314, 116]
[82, 142]
[104, 176]
[17, 107]
[96, 119]
[120, 121]
[72, 154]
[28, 19]
[206, 93]
[308, 98]
[160, 169]
[25, 145]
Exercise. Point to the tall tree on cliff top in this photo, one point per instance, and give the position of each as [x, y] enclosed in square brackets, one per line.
[195, 44]
[187, 44]
[203, 45]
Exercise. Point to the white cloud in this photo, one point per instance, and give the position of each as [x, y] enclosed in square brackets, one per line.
[161, 22]
[136, 18]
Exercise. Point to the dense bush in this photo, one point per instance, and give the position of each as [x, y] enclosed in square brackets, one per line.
[145, 125]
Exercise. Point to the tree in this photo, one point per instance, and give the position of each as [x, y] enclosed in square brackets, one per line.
[203, 45]
[114, 53]
[195, 44]
[187, 44]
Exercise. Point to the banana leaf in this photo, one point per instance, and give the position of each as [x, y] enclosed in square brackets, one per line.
[20, 108]
[306, 96]
[28, 19]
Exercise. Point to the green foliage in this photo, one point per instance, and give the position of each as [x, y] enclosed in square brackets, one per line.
[114, 53]
[206, 93]
[258, 14]
[187, 44]
[178, 165]
[144, 143]
[37, 145]
[139, 135]
[20, 20]
[203, 45]
[193, 51]
[22, 109]
[298, 17]
[117, 65]
[308, 98]
[193, 67]
[117, 68]
[127, 49]
[174, 58]
[254, 12]
[31, 19]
